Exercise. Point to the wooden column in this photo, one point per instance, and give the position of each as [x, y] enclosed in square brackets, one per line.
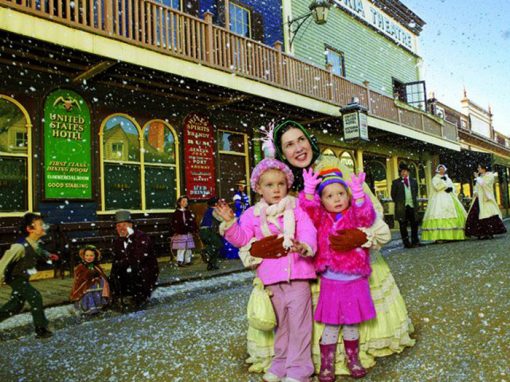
[279, 63]
[108, 16]
[227, 15]
[369, 103]
[331, 93]
[209, 37]
[359, 161]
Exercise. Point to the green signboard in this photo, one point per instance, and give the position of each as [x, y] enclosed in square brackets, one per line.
[67, 162]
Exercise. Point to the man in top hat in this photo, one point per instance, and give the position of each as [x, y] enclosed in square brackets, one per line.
[134, 268]
[404, 192]
[241, 199]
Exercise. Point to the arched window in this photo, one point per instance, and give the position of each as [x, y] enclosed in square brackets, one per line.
[140, 167]
[15, 155]
[328, 152]
[161, 161]
[376, 177]
[348, 161]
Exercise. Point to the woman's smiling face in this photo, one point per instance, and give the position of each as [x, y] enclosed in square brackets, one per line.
[296, 148]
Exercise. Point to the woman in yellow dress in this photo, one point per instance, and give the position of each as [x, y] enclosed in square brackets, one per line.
[390, 331]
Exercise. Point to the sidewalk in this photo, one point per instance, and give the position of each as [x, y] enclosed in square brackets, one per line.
[55, 291]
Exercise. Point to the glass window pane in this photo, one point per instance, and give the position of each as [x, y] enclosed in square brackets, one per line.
[231, 142]
[159, 143]
[13, 131]
[160, 187]
[233, 170]
[119, 132]
[13, 184]
[239, 20]
[122, 186]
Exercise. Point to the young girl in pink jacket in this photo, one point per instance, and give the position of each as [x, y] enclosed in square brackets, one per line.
[287, 275]
[335, 204]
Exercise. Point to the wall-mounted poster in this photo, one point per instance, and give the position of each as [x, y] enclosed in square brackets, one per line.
[199, 157]
[67, 146]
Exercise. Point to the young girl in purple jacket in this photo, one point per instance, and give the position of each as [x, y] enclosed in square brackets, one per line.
[344, 300]
[287, 275]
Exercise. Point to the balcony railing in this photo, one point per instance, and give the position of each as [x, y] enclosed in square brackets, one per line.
[158, 27]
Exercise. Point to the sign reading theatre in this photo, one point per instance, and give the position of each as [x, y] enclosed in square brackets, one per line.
[199, 157]
[67, 162]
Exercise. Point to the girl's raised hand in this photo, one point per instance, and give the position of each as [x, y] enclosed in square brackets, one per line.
[356, 185]
[311, 181]
[224, 210]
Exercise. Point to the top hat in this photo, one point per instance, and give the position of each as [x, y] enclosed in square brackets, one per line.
[241, 183]
[122, 216]
[403, 166]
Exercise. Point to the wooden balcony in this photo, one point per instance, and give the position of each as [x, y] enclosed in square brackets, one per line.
[154, 26]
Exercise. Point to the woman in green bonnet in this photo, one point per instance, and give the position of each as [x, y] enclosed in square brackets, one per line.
[389, 332]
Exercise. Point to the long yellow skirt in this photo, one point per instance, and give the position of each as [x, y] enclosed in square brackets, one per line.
[387, 334]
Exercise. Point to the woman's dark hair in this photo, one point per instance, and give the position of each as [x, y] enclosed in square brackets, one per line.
[485, 166]
[27, 221]
[278, 132]
[178, 203]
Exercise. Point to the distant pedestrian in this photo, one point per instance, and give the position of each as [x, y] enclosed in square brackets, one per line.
[404, 192]
[91, 290]
[209, 234]
[17, 265]
[183, 226]
[134, 267]
[241, 199]
[484, 216]
[445, 216]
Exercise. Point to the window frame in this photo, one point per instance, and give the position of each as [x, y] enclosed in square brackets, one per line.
[141, 163]
[28, 155]
[340, 54]
[230, 18]
[235, 153]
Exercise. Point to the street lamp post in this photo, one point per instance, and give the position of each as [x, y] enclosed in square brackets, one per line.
[319, 10]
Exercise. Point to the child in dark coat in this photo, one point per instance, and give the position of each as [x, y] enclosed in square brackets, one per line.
[91, 291]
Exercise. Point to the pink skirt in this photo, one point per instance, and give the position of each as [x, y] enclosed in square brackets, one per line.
[183, 241]
[344, 302]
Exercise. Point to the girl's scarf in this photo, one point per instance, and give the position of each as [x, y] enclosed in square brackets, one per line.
[271, 213]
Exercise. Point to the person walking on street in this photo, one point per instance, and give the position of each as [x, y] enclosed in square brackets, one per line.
[484, 216]
[134, 268]
[445, 216]
[183, 226]
[241, 199]
[17, 265]
[404, 192]
[209, 234]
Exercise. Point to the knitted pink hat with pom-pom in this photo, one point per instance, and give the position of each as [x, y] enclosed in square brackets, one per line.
[270, 164]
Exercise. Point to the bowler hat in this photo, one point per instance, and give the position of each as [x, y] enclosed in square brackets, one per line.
[122, 216]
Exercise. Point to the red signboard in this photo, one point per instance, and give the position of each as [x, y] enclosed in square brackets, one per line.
[199, 157]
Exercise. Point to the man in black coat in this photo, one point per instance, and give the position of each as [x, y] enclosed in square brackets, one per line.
[404, 192]
[134, 268]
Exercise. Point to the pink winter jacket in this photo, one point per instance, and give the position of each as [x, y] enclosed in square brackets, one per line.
[286, 268]
[353, 262]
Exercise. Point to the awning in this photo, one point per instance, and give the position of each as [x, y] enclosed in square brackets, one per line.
[499, 160]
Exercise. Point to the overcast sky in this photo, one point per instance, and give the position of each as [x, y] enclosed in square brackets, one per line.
[466, 43]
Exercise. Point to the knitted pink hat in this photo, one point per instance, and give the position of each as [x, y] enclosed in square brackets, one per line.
[270, 164]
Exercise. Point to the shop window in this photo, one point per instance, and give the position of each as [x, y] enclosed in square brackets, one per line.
[160, 163]
[233, 163]
[376, 178]
[240, 20]
[348, 161]
[336, 59]
[15, 153]
[139, 176]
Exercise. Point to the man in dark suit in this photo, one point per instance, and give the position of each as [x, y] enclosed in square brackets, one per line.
[404, 192]
[135, 267]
